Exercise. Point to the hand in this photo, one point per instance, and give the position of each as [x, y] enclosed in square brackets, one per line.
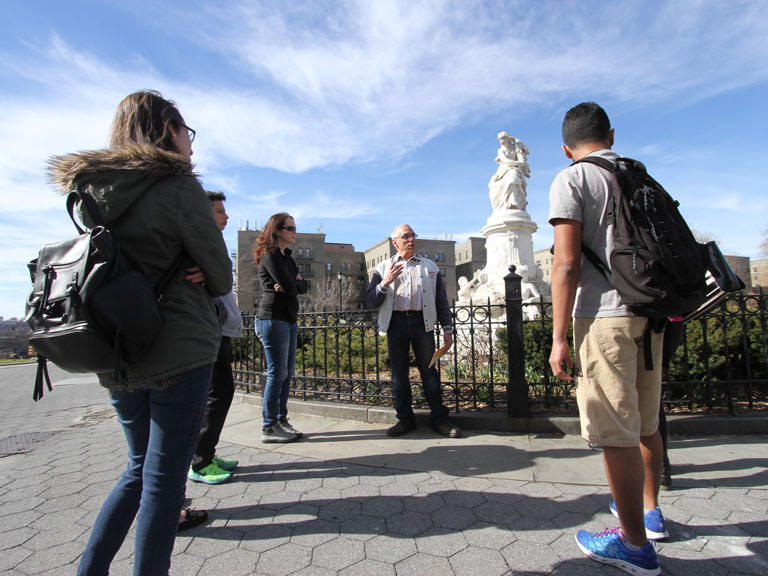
[195, 275]
[393, 273]
[278, 288]
[447, 339]
[299, 276]
[561, 353]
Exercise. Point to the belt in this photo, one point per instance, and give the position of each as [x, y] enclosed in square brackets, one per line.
[408, 312]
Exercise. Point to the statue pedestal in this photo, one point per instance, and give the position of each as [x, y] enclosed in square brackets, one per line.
[509, 240]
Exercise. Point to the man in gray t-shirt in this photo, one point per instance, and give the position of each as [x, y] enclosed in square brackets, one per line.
[618, 399]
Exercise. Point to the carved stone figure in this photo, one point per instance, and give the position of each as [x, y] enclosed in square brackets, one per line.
[507, 188]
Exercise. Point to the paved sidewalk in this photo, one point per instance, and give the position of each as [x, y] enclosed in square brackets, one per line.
[349, 500]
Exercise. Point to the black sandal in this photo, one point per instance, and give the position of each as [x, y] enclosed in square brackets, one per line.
[192, 518]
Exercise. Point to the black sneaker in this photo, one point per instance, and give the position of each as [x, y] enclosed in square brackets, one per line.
[402, 427]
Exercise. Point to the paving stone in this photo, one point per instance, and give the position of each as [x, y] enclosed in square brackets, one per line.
[454, 518]
[390, 548]
[409, 523]
[16, 537]
[234, 562]
[479, 561]
[363, 527]
[360, 492]
[383, 506]
[267, 537]
[315, 532]
[526, 555]
[284, 559]
[367, 568]
[426, 503]
[338, 554]
[441, 542]
[424, 565]
[339, 510]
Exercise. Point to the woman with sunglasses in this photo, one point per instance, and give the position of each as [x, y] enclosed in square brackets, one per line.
[276, 322]
[148, 194]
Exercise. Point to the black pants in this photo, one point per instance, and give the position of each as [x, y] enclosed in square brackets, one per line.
[673, 337]
[219, 400]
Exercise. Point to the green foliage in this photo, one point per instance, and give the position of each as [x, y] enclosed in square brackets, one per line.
[722, 349]
[341, 350]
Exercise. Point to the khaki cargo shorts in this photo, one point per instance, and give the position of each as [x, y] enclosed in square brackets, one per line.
[618, 398]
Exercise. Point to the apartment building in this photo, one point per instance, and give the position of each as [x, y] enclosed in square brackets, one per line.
[335, 272]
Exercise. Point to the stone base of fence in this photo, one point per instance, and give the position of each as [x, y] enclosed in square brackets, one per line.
[694, 425]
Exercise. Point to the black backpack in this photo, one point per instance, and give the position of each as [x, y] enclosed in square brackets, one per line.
[657, 266]
[90, 310]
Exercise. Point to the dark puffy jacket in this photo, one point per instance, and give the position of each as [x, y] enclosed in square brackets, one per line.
[155, 205]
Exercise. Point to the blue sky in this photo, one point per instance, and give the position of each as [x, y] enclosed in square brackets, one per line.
[357, 116]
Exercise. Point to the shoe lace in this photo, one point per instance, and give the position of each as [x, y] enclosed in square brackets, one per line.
[607, 531]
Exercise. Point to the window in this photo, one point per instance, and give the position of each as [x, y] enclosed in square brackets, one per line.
[307, 267]
[308, 253]
[328, 266]
[301, 267]
[299, 251]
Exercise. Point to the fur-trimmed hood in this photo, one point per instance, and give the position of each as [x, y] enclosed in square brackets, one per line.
[115, 177]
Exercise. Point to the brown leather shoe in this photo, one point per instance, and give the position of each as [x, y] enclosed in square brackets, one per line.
[402, 427]
[448, 430]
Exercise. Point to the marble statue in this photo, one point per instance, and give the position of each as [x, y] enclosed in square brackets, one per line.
[507, 187]
[508, 234]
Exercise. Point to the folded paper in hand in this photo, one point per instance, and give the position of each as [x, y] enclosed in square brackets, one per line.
[439, 353]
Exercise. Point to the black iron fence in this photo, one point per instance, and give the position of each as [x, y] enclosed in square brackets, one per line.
[500, 361]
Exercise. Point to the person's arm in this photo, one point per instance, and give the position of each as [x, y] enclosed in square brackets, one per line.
[277, 268]
[374, 297]
[443, 310]
[376, 292]
[565, 280]
[203, 240]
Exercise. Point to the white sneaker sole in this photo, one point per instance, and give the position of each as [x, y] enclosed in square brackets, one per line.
[620, 564]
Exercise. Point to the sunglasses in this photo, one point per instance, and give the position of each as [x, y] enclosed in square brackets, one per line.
[289, 228]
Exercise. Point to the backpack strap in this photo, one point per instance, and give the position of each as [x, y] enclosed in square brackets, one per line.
[41, 378]
[91, 207]
[598, 161]
[605, 164]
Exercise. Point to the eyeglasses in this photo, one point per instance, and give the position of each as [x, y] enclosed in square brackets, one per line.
[408, 236]
[191, 133]
[289, 228]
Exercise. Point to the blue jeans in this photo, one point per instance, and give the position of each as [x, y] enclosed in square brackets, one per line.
[161, 427]
[279, 340]
[407, 332]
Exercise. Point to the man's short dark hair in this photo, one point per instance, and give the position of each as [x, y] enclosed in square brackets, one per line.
[585, 122]
[214, 196]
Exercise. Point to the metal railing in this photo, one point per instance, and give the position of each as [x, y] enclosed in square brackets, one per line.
[500, 361]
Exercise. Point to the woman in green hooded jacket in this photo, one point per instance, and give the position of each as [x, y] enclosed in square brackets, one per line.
[150, 198]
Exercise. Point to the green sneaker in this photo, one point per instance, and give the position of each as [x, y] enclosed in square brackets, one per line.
[227, 465]
[211, 474]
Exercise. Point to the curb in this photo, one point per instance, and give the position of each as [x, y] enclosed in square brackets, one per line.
[694, 425]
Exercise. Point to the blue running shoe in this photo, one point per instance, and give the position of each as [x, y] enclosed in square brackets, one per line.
[655, 528]
[608, 547]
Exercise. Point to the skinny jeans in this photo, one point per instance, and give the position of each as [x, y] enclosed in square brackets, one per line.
[278, 338]
[161, 427]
